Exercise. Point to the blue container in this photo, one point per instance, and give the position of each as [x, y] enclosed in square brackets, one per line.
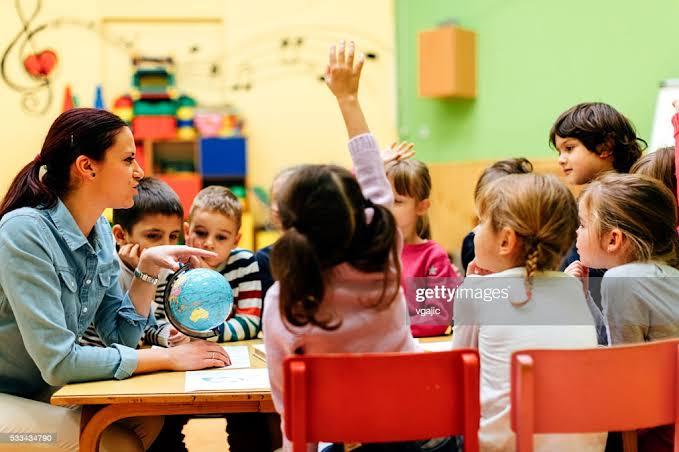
[222, 157]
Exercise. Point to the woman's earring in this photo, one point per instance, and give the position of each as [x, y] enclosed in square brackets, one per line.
[93, 174]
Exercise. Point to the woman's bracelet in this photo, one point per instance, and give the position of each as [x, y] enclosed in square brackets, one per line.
[146, 277]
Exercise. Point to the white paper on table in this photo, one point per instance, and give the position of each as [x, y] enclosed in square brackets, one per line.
[227, 380]
[442, 346]
[239, 354]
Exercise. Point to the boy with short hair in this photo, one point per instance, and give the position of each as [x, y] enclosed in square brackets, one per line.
[593, 138]
[154, 220]
[214, 225]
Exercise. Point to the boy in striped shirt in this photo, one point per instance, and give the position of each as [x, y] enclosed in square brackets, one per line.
[214, 225]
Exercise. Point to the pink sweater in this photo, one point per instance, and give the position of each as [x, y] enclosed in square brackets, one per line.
[428, 260]
[363, 330]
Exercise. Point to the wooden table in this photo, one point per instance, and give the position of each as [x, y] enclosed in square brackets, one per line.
[160, 393]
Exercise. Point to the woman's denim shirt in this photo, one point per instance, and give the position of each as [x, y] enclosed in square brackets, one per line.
[53, 283]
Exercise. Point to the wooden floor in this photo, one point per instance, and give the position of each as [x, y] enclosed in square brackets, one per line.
[206, 435]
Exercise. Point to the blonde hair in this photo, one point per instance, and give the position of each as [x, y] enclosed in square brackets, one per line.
[411, 178]
[640, 206]
[658, 165]
[218, 199]
[540, 210]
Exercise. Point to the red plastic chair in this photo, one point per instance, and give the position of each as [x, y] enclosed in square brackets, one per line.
[382, 397]
[621, 388]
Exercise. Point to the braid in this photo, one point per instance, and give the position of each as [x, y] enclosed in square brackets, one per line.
[531, 269]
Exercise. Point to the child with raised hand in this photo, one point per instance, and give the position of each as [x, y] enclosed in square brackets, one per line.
[527, 223]
[154, 220]
[424, 262]
[628, 226]
[214, 225]
[337, 264]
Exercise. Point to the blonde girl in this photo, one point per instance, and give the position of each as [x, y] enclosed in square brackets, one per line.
[527, 223]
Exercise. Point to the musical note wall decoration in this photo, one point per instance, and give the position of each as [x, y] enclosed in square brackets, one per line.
[297, 54]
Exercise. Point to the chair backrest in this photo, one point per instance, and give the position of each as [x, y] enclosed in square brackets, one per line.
[382, 397]
[594, 390]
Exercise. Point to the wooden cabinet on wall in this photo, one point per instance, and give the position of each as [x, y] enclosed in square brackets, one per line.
[447, 63]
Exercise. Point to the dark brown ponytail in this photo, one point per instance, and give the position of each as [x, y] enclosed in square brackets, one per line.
[322, 212]
[79, 131]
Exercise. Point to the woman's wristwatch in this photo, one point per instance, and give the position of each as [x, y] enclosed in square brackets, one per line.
[146, 277]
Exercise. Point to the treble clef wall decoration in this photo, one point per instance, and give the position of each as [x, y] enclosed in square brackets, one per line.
[38, 64]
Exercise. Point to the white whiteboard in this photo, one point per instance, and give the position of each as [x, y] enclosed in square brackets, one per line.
[662, 133]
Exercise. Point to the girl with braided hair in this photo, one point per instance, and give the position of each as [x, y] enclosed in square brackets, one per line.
[527, 224]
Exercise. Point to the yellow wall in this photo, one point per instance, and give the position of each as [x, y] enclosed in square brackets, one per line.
[291, 117]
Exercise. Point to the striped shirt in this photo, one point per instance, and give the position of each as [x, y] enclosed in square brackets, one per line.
[154, 334]
[244, 322]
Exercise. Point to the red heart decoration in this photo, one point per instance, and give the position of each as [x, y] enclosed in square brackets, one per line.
[40, 65]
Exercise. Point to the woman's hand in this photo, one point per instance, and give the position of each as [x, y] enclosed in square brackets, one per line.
[341, 74]
[153, 259]
[198, 354]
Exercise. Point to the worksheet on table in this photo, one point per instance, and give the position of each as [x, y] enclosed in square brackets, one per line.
[227, 380]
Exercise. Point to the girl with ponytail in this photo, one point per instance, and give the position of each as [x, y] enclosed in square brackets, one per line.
[61, 275]
[527, 224]
[337, 265]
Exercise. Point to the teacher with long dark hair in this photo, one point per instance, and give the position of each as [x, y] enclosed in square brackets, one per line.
[58, 274]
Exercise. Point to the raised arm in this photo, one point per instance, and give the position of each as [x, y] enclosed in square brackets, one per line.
[342, 77]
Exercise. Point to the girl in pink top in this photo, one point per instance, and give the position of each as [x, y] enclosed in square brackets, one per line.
[336, 266]
[425, 262]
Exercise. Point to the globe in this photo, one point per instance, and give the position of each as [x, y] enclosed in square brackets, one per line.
[197, 301]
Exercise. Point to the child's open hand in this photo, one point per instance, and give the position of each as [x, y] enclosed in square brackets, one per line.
[342, 75]
[577, 270]
[398, 151]
[129, 253]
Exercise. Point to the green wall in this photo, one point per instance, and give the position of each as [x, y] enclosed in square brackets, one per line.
[536, 58]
